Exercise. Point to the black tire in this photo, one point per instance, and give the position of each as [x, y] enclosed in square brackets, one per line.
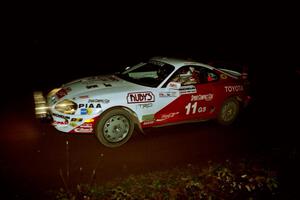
[114, 127]
[229, 111]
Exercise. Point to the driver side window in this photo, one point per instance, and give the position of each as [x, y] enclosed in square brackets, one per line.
[187, 75]
[191, 75]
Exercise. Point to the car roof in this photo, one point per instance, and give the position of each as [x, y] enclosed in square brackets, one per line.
[177, 62]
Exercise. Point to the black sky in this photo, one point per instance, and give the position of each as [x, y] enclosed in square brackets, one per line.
[50, 48]
[43, 49]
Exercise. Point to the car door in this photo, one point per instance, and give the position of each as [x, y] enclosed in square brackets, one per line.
[194, 97]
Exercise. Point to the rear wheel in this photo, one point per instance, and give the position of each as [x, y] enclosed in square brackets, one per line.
[114, 127]
[229, 111]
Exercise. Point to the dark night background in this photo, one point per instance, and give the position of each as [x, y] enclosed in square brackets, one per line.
[49, 49]
[44, 49]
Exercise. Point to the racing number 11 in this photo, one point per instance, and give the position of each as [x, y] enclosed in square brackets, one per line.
[194, 108]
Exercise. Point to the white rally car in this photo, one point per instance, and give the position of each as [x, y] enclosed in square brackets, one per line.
[158, 92]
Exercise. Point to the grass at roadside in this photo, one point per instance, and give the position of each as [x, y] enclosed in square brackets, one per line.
[243, 179]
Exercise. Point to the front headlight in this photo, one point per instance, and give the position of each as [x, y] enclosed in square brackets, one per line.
[66, 107]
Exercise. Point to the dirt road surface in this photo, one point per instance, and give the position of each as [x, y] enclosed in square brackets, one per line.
[35, 157]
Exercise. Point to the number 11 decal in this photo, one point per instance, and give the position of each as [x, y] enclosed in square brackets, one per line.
[194, 109]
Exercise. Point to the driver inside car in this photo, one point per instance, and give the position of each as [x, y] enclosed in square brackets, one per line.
[187, 76]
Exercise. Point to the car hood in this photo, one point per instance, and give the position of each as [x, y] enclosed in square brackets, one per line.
[94, 85]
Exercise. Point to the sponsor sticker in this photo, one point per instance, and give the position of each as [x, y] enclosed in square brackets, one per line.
[86, 111]
[206, 97]
[140, 97]
[146, 105]
[91, 86]
[76, 119]
[148, 122]
[60, 116]
[170, 115]
[174, 85]
[155, 62]
[63, 92]
[73, 124]
[148, 117]
[167, 94]
[89, 105]
[81, 97]
[187, 90]
[84, 97]
[60, 122]
[84, 128]
[234, 88]
[99, 101]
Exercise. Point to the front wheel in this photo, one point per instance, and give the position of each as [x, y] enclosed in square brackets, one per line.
[229, 111]
[114, 127]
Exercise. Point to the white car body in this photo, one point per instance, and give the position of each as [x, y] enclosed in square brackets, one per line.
[90, 97]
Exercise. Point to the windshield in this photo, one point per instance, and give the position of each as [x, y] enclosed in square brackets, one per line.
[149, 74]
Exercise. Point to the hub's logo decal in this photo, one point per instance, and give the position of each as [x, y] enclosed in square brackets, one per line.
[140, 97]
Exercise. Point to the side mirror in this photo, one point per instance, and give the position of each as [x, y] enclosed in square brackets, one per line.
[174, 85]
